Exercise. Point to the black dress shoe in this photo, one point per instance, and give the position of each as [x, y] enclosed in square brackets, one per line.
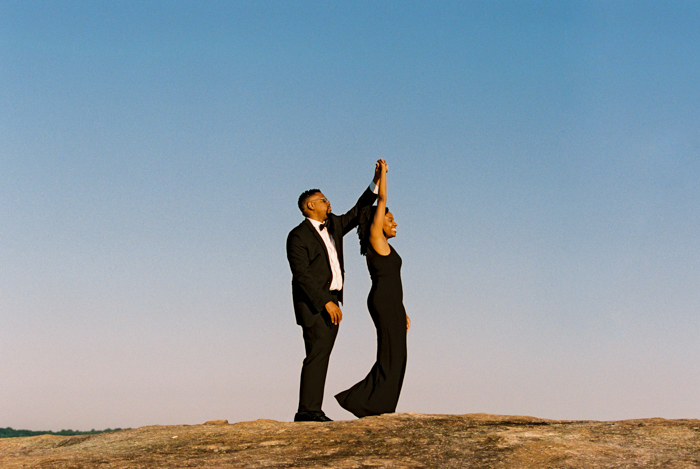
[311, 417]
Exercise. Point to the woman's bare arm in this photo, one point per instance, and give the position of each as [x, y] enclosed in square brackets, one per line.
[376, 230]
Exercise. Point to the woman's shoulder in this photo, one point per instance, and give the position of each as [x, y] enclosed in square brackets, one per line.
[370, 249]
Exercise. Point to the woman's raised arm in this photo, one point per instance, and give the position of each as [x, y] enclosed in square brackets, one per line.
[376, 231]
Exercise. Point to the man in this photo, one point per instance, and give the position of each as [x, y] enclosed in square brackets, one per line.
[315, 255]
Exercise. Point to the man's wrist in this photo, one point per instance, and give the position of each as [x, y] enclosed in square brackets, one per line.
[374, 187]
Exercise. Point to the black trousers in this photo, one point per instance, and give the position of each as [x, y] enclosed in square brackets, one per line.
[319, 338]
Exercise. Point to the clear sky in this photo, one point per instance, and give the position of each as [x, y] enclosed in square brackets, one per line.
[544, 172]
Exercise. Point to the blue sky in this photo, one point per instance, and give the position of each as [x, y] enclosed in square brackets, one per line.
[544, 166]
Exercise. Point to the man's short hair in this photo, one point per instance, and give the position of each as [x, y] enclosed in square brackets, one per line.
[304, 197]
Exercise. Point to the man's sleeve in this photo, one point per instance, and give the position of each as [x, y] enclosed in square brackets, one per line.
[349, 220]
[298, 257]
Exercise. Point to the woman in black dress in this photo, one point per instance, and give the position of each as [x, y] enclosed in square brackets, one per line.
[379, 392]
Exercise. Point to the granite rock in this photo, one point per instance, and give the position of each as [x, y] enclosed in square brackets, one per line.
[406, 440]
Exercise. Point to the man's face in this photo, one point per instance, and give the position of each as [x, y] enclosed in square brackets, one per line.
[319, 207]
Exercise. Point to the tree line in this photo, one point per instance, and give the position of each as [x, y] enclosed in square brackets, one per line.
[12, 433]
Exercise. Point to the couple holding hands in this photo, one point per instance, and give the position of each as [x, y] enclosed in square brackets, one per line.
[315, 254]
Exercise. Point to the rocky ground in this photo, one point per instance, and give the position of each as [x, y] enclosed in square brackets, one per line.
[393, 440]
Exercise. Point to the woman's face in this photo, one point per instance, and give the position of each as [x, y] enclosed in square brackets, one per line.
[389, 225]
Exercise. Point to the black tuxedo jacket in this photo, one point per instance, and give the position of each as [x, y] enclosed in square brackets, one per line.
[311, 268]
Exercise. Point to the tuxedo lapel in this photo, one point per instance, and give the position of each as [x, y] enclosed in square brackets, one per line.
[338, 239]
[311, 228]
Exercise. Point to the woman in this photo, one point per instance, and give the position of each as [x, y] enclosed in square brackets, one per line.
[379, 392]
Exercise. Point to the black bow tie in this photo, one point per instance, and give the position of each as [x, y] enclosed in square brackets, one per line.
[328, 225]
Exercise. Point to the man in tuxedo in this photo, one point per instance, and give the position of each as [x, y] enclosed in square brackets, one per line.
[315, 255]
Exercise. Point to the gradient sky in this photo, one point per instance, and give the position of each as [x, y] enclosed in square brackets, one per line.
[544, 172]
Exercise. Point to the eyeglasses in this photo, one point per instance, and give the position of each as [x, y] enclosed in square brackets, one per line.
[324, 200]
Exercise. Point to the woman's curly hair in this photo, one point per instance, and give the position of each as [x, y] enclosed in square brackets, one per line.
[365, 221]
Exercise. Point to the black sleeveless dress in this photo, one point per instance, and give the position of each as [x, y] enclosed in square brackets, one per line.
[379, 392]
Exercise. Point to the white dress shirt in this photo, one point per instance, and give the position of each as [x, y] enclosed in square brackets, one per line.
[337, 283]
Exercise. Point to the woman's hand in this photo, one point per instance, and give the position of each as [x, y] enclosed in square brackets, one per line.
[408, 323]
[378, 169]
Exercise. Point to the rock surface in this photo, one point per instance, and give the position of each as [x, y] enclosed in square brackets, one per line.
[392, 440]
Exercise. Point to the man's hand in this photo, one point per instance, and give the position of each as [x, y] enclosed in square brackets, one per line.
[378, 169]
[334, 312]
[408, 323]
